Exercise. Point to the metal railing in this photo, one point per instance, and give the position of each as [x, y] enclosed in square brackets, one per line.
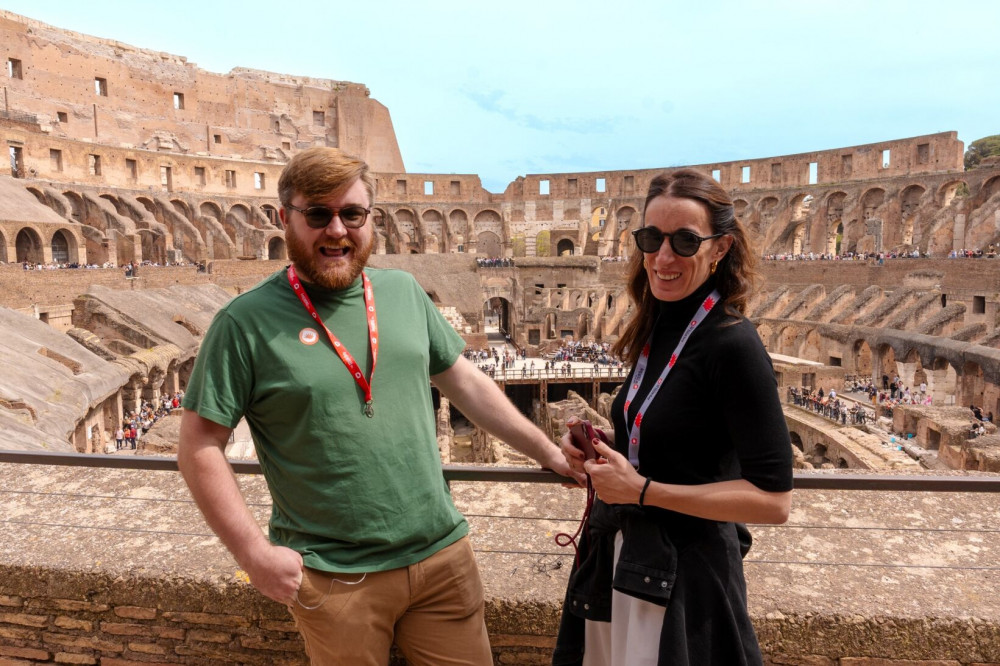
[940, 483]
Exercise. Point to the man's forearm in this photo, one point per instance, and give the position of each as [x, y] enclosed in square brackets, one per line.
[215, 491]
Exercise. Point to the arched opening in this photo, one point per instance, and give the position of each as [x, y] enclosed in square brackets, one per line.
[28, 247]
[76, 206]
[488, 244]
[797, 441]
[211, 209]
[271, 213]
[497, 317]
[862, 359]
[60, 248]
[458, 221]
[433, 225]
[565, 248]
[489, 221]
[276, 249]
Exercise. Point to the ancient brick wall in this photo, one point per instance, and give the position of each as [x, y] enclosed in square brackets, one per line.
[83, 88]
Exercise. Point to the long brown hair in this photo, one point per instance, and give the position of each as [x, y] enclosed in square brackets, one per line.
[734, 276]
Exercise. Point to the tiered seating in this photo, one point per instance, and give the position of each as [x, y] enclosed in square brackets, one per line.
[455, 318]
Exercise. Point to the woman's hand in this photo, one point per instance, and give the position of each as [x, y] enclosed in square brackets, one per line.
[613, 476]
[573, 455]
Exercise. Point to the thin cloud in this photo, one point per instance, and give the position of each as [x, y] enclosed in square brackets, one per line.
[492, 101]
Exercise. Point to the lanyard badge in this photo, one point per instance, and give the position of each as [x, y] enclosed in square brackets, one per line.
[640, 371]
[348, 361]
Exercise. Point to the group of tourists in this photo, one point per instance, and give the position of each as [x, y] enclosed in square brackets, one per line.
[137, 423]
[495, 262]
[829, 405]
[585, 352]
[880, 257]
[54, 265]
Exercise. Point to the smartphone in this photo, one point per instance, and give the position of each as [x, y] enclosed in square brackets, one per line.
[582, 434]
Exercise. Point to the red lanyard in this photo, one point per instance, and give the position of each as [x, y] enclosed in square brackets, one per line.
[640, 370]
[348, 360]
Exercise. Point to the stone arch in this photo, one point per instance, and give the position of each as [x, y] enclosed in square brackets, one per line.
[812, 346]
[385, 240]
[886, 360]
[949, 191]
[65, 247]
[498, 311]
[182, 207]
[240, 212]
[798, 237]
[871, 201]
[28, 246]
[148, 204]
[942, 382]
[768, 211]
[434, 237]
[211, 209]
[990, 188]
[4, 250]
[834, 205]
[627, 219]
[120, 208]
[739, 207]
[153, 246]
[784, 342]
[406, 229]
[276, 250]
[972, 385]
[38, 195]
[565, 247]
[862, 358]
[489, 220]
[458, 223]
[271, 213]
[800, 205]
[489, 244]
[910, 206]
[78, 209]
[796, 441]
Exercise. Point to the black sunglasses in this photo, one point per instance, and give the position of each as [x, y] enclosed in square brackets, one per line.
[318, 217]
[684, 243]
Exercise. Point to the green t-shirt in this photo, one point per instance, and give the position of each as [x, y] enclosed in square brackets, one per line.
[350, 493]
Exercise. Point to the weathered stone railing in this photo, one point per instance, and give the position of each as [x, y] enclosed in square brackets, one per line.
[110, 565]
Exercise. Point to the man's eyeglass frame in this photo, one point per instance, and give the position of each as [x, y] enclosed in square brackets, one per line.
[684, 237]
[320, 217]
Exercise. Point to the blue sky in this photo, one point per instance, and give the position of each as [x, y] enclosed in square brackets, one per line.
[504, 89]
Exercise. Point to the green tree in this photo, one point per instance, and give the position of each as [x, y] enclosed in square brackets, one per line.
[980, 148]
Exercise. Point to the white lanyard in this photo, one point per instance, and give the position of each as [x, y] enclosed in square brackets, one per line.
[640, 371]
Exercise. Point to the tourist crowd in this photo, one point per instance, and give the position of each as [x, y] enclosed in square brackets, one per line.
[137, 423]
[494, 262]
[830, 405]
[585, 352]
[880, 257]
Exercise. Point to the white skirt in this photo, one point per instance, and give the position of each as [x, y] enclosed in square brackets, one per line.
[632, 638]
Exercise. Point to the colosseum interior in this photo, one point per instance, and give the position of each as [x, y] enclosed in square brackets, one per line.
[877, 260]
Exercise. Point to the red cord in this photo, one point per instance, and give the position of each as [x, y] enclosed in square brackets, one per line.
[563, 539]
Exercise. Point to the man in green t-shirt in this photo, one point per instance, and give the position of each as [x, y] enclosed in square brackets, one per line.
[331, 365]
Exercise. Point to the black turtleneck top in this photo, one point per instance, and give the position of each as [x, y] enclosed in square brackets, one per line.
[717, 416]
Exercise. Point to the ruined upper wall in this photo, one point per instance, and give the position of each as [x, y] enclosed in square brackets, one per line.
[102, 91]
[927, 154]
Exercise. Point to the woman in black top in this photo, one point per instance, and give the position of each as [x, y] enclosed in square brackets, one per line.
[659, 576]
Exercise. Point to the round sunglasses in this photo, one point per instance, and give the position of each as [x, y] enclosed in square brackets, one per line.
[318, 217]
[684, 243]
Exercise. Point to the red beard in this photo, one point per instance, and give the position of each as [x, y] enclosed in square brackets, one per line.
[336, 277]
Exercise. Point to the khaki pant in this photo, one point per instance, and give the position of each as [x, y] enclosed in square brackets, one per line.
[433, 610]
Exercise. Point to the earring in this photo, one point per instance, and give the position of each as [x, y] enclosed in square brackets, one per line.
[715, 265]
